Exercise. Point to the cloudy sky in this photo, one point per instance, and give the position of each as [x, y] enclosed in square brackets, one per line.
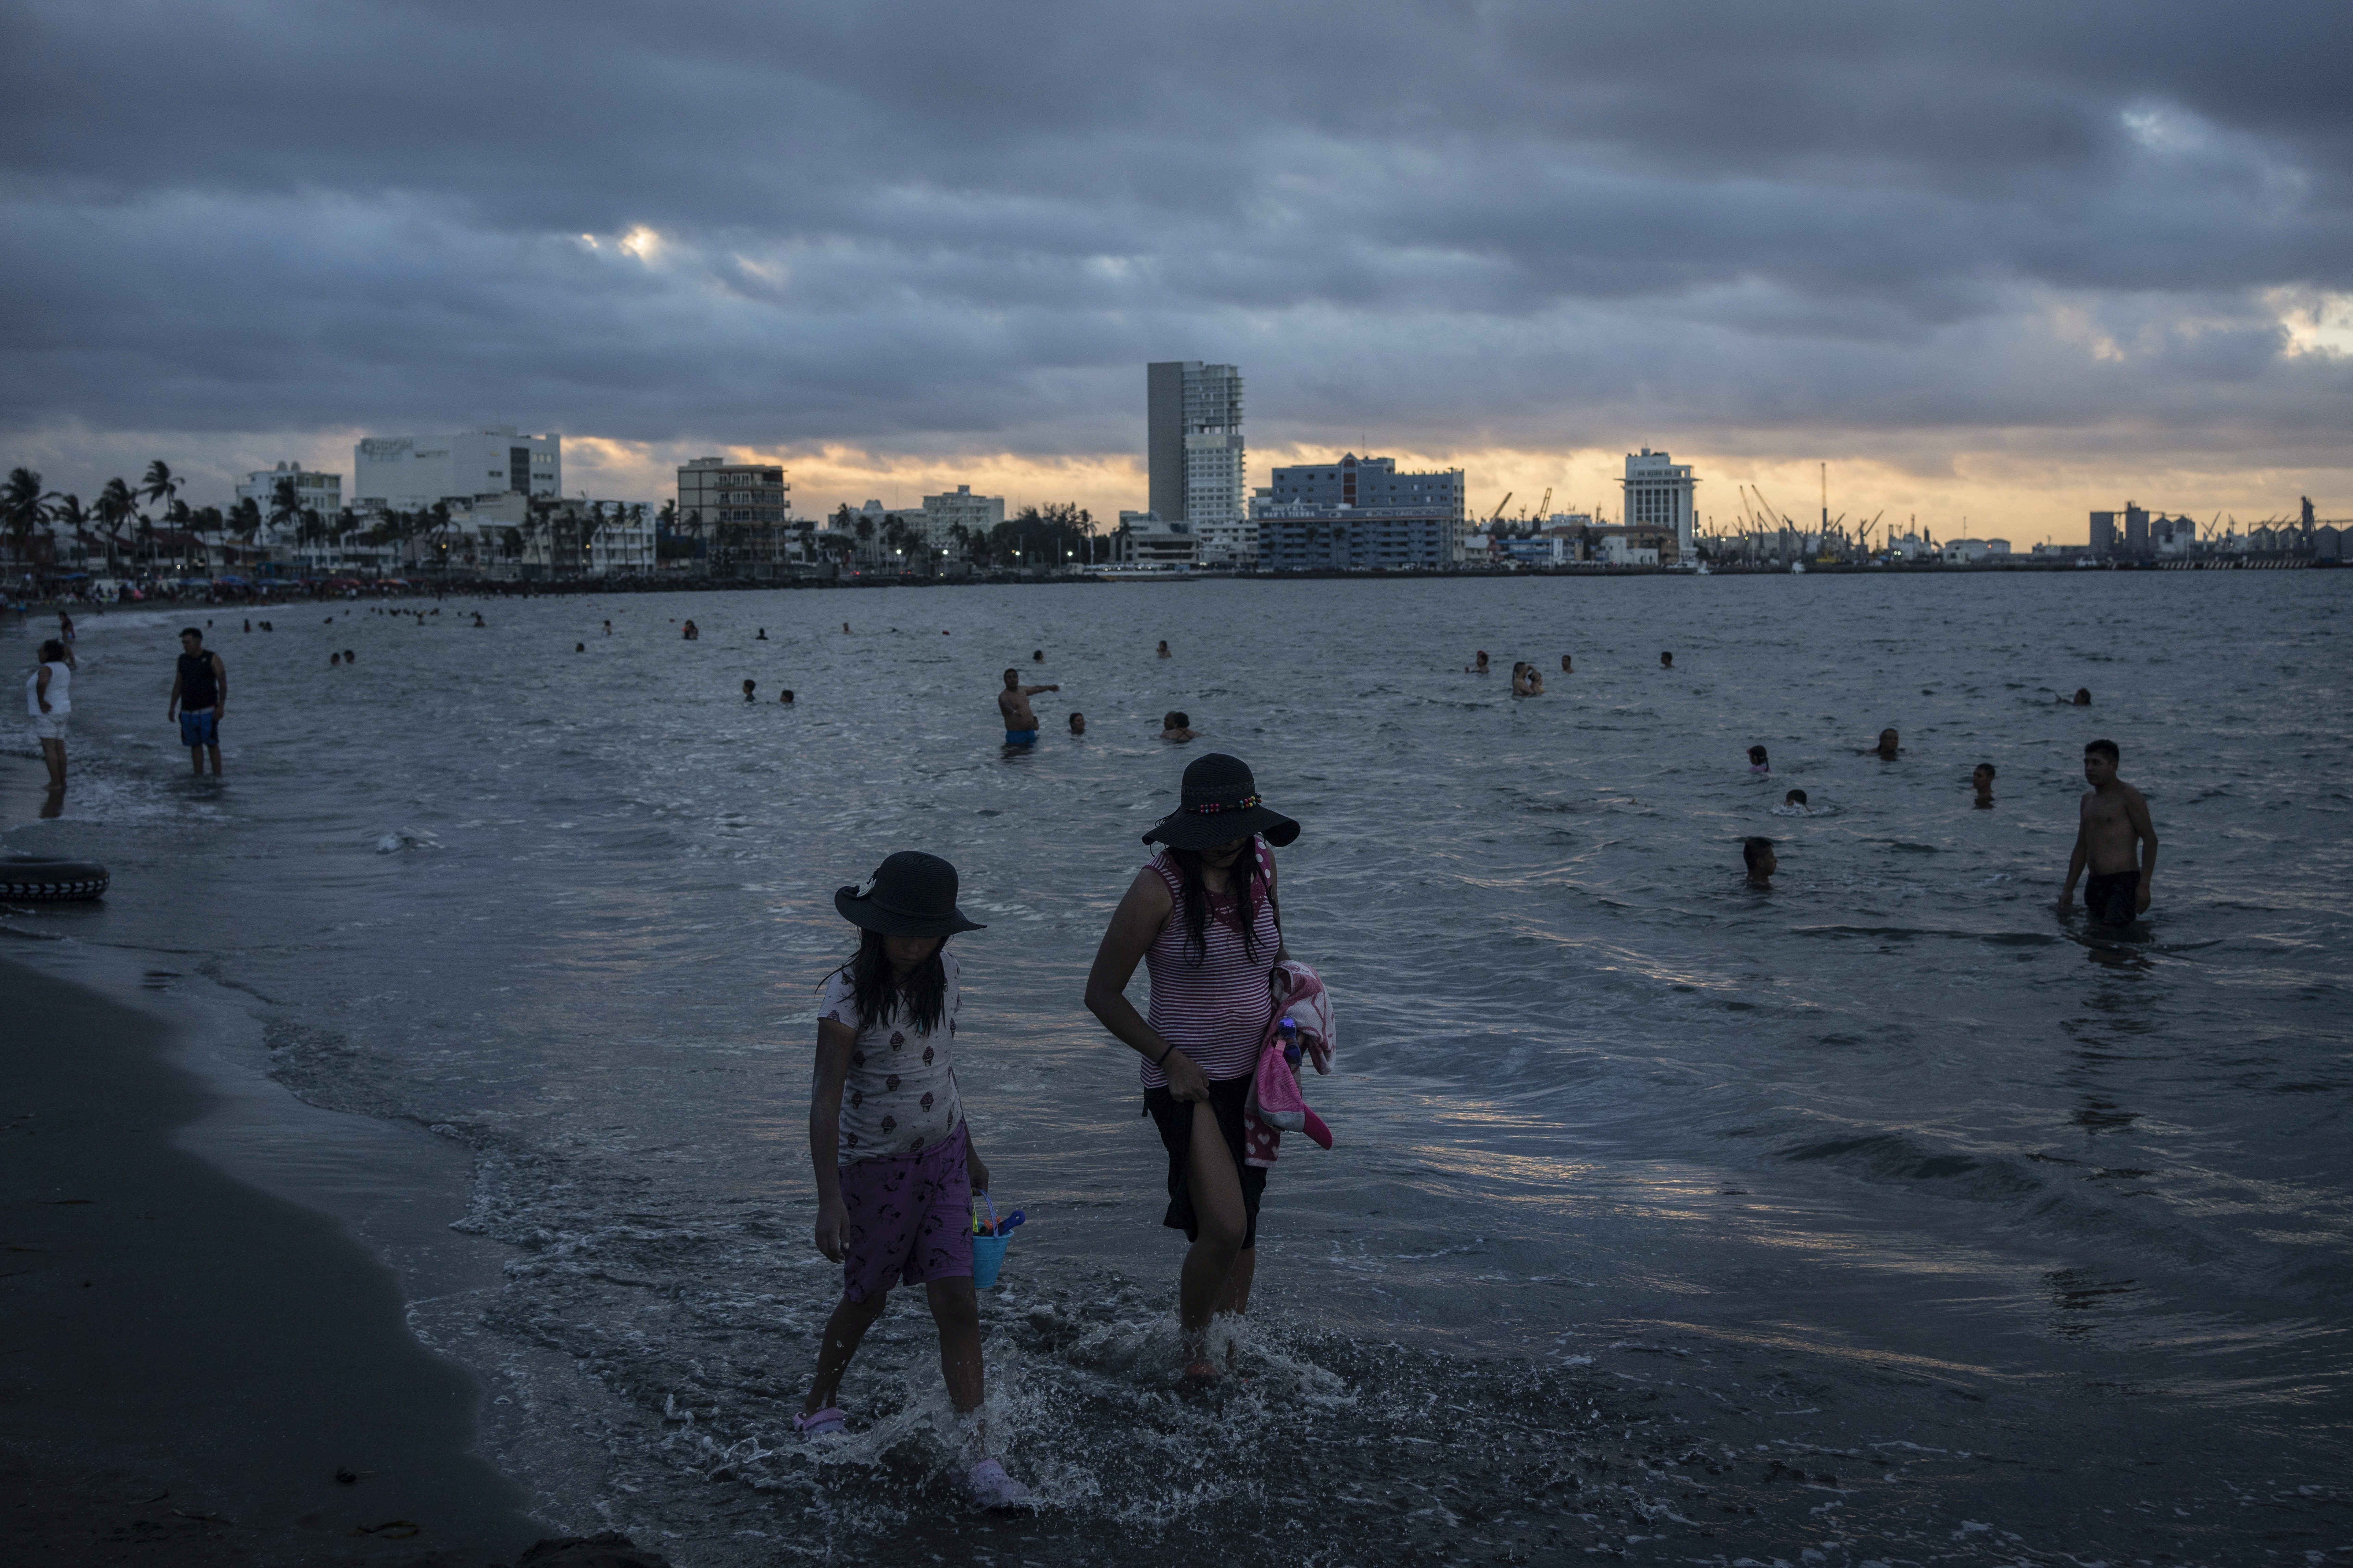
[1993, 261]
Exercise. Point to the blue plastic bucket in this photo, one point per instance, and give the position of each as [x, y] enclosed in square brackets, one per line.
[987, 1257]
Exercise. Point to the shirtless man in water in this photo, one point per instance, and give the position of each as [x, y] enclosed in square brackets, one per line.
[1020, 719]
[2115, 818]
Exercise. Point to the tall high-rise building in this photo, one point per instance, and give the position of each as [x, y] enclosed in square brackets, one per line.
[1658, 494]
[1194, 453]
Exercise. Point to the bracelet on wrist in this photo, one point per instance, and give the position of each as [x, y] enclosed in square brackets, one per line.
[1163, 1055]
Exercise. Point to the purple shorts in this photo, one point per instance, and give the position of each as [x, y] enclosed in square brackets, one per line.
[909, 1215]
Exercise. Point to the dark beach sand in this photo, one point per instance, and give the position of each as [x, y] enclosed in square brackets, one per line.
[184, 1361]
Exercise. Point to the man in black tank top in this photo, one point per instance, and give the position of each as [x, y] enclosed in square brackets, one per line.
[199, 696]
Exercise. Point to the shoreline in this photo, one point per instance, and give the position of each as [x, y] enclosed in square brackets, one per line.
[189, 1361]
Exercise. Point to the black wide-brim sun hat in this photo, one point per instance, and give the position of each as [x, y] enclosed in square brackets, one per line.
[910, 894]
[1218, 804]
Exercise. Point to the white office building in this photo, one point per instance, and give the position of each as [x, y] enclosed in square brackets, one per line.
[1658, 494]
[978, 514]
[407, 473]
[313, 491]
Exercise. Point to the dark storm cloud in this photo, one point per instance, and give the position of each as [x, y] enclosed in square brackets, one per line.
[930, 225]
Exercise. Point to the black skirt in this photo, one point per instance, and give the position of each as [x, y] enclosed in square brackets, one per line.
[1174, 1117]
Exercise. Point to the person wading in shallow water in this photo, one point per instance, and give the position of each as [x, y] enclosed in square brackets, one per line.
[896, 1166]
[2112, 825]
[1202, 916]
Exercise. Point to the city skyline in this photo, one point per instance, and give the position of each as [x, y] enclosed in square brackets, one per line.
[1998, 270]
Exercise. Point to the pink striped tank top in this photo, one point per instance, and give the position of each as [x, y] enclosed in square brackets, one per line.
[1214, 1011]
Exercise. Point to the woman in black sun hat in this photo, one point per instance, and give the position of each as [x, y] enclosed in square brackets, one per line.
[1202, 916]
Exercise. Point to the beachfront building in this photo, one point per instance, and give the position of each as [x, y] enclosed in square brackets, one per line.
[1360, 513]
[742, 512]
[313, 491]
[410, 473]
[1301, 536]
[1659, 494]
[977, 515]
[303, 537]
[1636, 544]
[1193, 451]
[1147, 539]
[896, 537]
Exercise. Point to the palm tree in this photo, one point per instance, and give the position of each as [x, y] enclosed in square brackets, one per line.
[244, 519]
[24, 508]
[160, 483]
[69, 513]
[115, 509]
[285, 503]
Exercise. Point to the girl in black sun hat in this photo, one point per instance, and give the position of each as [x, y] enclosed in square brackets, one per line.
[896, 1167]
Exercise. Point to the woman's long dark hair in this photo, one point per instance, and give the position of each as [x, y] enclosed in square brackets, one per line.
[874, 989]
[1242, 878]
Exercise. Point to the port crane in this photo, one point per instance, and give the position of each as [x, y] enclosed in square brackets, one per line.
[1496, 516]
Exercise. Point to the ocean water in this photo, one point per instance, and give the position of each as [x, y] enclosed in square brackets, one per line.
[1885, 1215]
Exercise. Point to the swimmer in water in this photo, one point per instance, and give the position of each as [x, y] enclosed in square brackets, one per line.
[1796, 797]
[786, 697]
[1982, 780]
[692, 633]
[1886, 750]
[2083, 697]
[478, 618]
[334, 658]
[608, 628]
[1666, 661]
[1479, 667]
[1527, 680]
[1758, 763]
[1176, 726]
[1567, 667]
[1163, 649]
[1757, 855]
[1077, 723]
[580, 648]
[748, 687]
[1037, 655]
[845, 628]
[1013, 704]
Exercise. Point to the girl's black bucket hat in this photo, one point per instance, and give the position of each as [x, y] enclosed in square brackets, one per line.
[910, 894]
[1219, 804]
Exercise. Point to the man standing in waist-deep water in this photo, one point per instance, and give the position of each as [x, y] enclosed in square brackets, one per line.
[200, 698]
[2114, 819]
[1020, 719]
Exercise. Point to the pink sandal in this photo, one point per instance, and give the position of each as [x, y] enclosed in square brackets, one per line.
[826, 1423]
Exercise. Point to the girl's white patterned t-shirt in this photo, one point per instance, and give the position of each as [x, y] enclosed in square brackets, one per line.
[900, 1094]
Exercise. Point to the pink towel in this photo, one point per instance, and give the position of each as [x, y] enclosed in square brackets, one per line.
[1275, 1104]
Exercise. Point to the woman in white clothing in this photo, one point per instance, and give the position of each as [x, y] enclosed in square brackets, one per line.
[48, 699]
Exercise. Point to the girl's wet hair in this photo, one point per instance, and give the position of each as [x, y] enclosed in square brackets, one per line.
[1755, 849]
[53, 652]
[1197, 899]
[874, 987]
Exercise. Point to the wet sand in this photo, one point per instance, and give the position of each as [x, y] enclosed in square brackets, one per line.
[25, 788]
[186, 1362]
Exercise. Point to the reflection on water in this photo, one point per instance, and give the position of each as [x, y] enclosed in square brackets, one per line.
[1696, 1202]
